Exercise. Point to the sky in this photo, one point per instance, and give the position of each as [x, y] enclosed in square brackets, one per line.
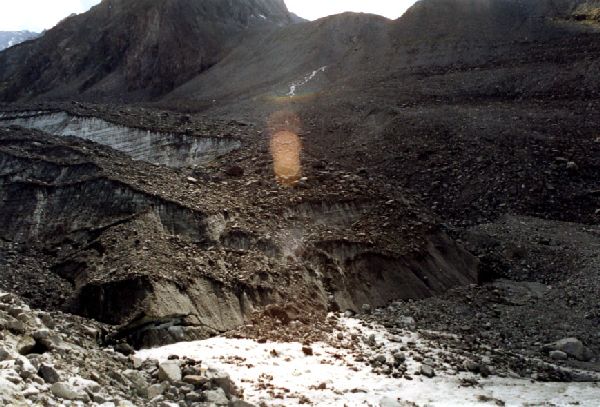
[37, 15]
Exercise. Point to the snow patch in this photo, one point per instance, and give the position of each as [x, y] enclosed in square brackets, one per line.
[294, 86]
[281, 374]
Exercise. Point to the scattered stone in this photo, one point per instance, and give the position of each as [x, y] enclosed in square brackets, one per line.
[307, 350]
[408, 322]
[371, 340]
[221, 380]
[193, 397]
[558, 355]
[389, 402]
[137, 379]
[195, 380]
[217, 397]
[366, 308]
[471, 366]
[427, 371]
[399, 357]
[572, 166]
[156, 390]
[16, 327]
[484, 370]
[29, 392]
[235, 402]
[4, 355]
[235, 171]
[68, 392]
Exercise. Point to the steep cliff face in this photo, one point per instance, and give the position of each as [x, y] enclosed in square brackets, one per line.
[132, 49]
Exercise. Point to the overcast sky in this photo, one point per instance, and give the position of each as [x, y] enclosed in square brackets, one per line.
[37, 15]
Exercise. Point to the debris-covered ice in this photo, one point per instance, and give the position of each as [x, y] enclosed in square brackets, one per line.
[284, 374]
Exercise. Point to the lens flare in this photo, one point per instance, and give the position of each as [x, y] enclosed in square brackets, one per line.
[285, 148]
[283, 127]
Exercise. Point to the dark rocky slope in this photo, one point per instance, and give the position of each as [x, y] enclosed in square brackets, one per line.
[347, 51]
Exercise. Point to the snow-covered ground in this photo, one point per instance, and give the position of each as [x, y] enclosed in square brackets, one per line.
[282, 374]
[294, 86]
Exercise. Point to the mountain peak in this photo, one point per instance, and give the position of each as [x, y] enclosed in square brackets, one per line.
[133, 49]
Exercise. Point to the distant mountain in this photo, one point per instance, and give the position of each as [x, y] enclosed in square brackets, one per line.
[133, 49]
[10, 38]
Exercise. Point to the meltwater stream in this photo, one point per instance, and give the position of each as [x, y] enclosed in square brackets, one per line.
[169, 149]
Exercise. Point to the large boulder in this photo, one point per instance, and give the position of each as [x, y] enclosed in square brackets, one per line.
[48, 373]
[573, 347]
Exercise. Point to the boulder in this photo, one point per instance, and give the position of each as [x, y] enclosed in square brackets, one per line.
[222, 380]
[48, 373]
[157, 390]
[138, 380]
[169, 371]
[26, 345]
